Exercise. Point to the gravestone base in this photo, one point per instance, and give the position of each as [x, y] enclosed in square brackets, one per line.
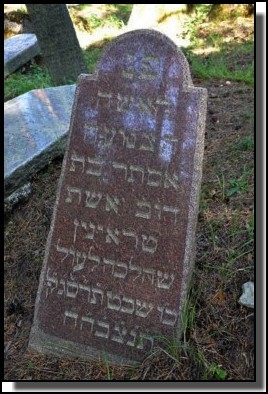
[55, 346]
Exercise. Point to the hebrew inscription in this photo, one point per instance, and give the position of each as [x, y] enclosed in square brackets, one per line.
[129, 173]
[147, 243]
[121, 243]
[123, 103]
[118, 269]
[111, 300]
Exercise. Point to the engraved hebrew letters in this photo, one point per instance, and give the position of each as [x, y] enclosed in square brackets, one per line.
[120, 247]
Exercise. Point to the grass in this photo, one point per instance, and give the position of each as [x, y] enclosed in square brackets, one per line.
[18, 83]
[92, 56]
[241, 184]
[218, 49]
[216, 67]
[38, 77]
[245, 144]
[108, 369]
[168, 346]
[214, 372]
[93, 16]
[225, 61]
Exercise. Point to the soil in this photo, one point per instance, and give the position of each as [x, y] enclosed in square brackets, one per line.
[219, 343]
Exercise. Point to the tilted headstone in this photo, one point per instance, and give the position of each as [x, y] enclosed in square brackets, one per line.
[121, 245]
[58, 41]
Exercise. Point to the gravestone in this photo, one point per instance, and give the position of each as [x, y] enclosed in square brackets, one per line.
[36, 125]
[18, 50]
[58, 41]
[121, 245]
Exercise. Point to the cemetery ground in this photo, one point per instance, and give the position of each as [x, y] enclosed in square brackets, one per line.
[217, 340]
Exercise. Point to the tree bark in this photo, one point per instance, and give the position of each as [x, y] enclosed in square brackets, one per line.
[58, 42]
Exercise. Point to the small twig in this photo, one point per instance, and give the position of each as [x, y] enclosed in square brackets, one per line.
[243, 318]
[169, 355]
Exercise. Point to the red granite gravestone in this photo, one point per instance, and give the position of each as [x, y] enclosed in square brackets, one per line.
[121, 246]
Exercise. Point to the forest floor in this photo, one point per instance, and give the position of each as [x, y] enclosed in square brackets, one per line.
[218, 342]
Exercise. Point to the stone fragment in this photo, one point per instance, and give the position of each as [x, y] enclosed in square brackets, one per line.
[22, 194]
[247, 298]
[18, 50]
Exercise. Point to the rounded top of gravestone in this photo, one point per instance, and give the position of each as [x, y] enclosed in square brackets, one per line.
[145, 56]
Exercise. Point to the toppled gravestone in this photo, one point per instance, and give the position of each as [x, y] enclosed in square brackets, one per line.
[35, 130]
[18, 50]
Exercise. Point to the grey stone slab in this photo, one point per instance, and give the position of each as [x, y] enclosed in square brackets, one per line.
[21, 194]
[35, 128]
[18, 50]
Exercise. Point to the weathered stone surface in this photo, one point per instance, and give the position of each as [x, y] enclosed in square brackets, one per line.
[121, 246]
[58, 42]
[35, 130]
[247, 298]
[18, 50]
[21, 194]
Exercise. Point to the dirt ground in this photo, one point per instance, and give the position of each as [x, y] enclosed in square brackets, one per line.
[219, 342]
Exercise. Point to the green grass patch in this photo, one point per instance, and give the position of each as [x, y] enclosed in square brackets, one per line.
[92, 56]
[19, 83]
[246, 143]
[216, 66]
[93, 16]
[214, 372]
[210, 371]
[241, 184]
[219, 50]
[122, 12]
[38, 77]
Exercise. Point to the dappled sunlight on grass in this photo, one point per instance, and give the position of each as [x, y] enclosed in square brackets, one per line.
[238, 30]
[205, 51]
[214, 49]
[223, 49]
[97, 23]
[98, 38]
[20, 82]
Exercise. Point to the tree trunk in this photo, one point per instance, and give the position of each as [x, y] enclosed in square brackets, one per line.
[58, 42]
